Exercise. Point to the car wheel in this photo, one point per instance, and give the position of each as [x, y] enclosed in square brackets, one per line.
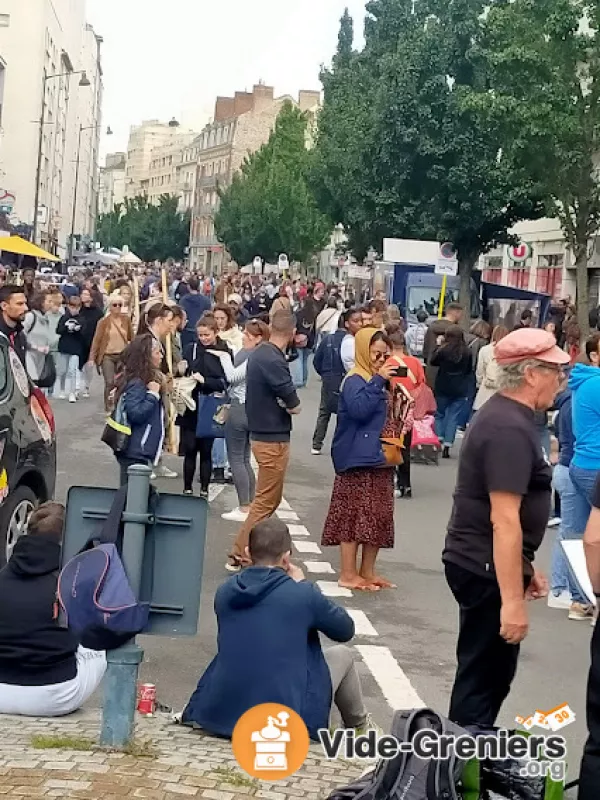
[14, 516]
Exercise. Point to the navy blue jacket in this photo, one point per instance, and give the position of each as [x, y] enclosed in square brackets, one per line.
[564, 428]
[145, 414]
[268, 651]
[361, 417]
[328, 361]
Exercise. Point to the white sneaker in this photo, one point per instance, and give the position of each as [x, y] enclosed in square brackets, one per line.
[315, 452]
[164, 472]
[554, 522]
[62, 396]
[237, 515]
[72, 398]
[562, 600]
[85, 394]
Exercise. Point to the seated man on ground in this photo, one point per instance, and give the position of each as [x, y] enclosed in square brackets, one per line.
[44, 672]
[269, 619]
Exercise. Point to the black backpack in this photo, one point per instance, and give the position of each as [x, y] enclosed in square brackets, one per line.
[407, 777]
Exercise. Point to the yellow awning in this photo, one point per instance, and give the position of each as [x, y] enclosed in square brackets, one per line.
[15, 244]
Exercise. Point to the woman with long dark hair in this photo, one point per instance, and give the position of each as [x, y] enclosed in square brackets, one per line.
[207, 369]
[138, 394]
[452, 382]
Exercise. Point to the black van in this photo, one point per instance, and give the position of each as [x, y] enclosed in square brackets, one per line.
[27, 449]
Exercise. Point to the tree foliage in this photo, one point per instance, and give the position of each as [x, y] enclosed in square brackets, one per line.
[269, 207]
[542, 60]
[418, 162]
[151, 232]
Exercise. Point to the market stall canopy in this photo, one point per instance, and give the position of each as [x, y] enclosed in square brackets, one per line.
[14, 244]
[129, 258]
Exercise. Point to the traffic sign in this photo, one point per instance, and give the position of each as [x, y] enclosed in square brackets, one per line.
[447, 263]
[283, 261]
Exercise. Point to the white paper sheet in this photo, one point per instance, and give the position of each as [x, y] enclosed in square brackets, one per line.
[576, 556]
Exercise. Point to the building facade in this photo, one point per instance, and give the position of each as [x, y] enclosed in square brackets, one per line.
[48, 44]
[111, 190]
[550, 267]
[163, 176]
[242, 124]
[143, 139]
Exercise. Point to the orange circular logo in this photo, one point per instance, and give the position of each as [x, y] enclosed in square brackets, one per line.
[270, 742]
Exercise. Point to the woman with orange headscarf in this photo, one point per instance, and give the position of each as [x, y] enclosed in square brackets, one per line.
[361, 511]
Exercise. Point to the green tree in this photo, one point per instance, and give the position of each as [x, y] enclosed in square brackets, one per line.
[269, 207]
[423, 166]
[542, 60]
[150, 231]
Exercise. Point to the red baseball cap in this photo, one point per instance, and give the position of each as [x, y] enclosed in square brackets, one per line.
[529, 343]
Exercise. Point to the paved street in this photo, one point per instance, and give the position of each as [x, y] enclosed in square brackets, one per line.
[406, 640]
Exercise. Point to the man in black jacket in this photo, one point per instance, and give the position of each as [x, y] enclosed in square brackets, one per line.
[13, 308]
[328, 364]
[43, 670]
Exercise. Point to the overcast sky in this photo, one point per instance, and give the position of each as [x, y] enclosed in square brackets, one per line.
[171, 58]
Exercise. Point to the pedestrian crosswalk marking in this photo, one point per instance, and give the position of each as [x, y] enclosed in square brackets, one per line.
[214, 490]
[307, 547]
[361, 623]
[319, 567]
[395, 686]
[332, 589]
[288, 516]
[284, 505]
[298, 530]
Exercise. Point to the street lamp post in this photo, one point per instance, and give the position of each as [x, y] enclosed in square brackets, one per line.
[82, 128]
[84, 81]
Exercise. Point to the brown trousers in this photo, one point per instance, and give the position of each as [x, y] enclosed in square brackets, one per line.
[110, 364]
[272, 458]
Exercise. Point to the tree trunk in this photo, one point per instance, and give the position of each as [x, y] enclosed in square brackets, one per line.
[582, 282]
[465, 272]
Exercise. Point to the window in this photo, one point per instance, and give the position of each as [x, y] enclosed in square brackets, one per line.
[548, 277]
[518, 276]
[492, 271]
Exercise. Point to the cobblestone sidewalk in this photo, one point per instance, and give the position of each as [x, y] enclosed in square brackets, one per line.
[167, 763]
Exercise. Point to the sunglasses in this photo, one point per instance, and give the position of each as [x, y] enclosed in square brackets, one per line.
[117, 305]
[380, 356]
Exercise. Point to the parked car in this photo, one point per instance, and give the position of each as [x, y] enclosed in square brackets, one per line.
[27, 449]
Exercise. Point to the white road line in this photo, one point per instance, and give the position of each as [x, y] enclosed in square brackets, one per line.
[331, 589]
[322, 567]
[284, 505]
[214, 491]
[307, 547]
[361, 623]
[298, 530]
[288, 516]
[395, 686]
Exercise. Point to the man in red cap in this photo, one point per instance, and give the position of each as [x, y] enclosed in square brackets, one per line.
[501, 509]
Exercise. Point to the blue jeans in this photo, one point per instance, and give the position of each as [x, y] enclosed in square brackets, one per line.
[447, 417]
[299, 368]
[219, 454]
[68, 373]
[584, 481]
[574, 510]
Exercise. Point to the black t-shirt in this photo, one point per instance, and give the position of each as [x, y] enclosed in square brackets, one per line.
[501, 453]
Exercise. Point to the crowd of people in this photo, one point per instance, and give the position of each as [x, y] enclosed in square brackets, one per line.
[215, 371]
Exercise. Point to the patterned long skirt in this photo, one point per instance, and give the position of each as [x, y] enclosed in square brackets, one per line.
[361, 509]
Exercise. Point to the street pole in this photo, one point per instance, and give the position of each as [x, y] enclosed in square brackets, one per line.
[120, 681]
[71, 240]
[38, 171]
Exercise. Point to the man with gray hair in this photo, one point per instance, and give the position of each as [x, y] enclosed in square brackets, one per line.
[501, 508]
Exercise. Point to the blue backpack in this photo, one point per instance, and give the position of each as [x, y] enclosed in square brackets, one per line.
[97, 602]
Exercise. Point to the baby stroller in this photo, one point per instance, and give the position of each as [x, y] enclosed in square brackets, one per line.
[426, 446]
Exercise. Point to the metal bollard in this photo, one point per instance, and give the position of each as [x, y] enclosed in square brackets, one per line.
[120, 681]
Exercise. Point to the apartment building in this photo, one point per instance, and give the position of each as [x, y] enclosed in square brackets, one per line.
[186, 174]
[163, 171]
[242, 124]
[111, 189]
[47, 45]
[143, 139]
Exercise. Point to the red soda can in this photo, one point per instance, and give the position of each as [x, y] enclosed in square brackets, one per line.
[146, 698]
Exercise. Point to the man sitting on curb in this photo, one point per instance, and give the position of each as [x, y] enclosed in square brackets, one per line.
[269, 619]
[43, 670]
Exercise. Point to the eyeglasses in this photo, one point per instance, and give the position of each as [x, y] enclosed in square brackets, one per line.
[380, 357]
[117, 305]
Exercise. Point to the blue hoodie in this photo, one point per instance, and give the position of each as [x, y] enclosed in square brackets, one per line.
[268, 651]
[563, 427]
[585, 386]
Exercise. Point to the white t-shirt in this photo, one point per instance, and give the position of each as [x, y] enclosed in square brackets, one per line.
[347, 351]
